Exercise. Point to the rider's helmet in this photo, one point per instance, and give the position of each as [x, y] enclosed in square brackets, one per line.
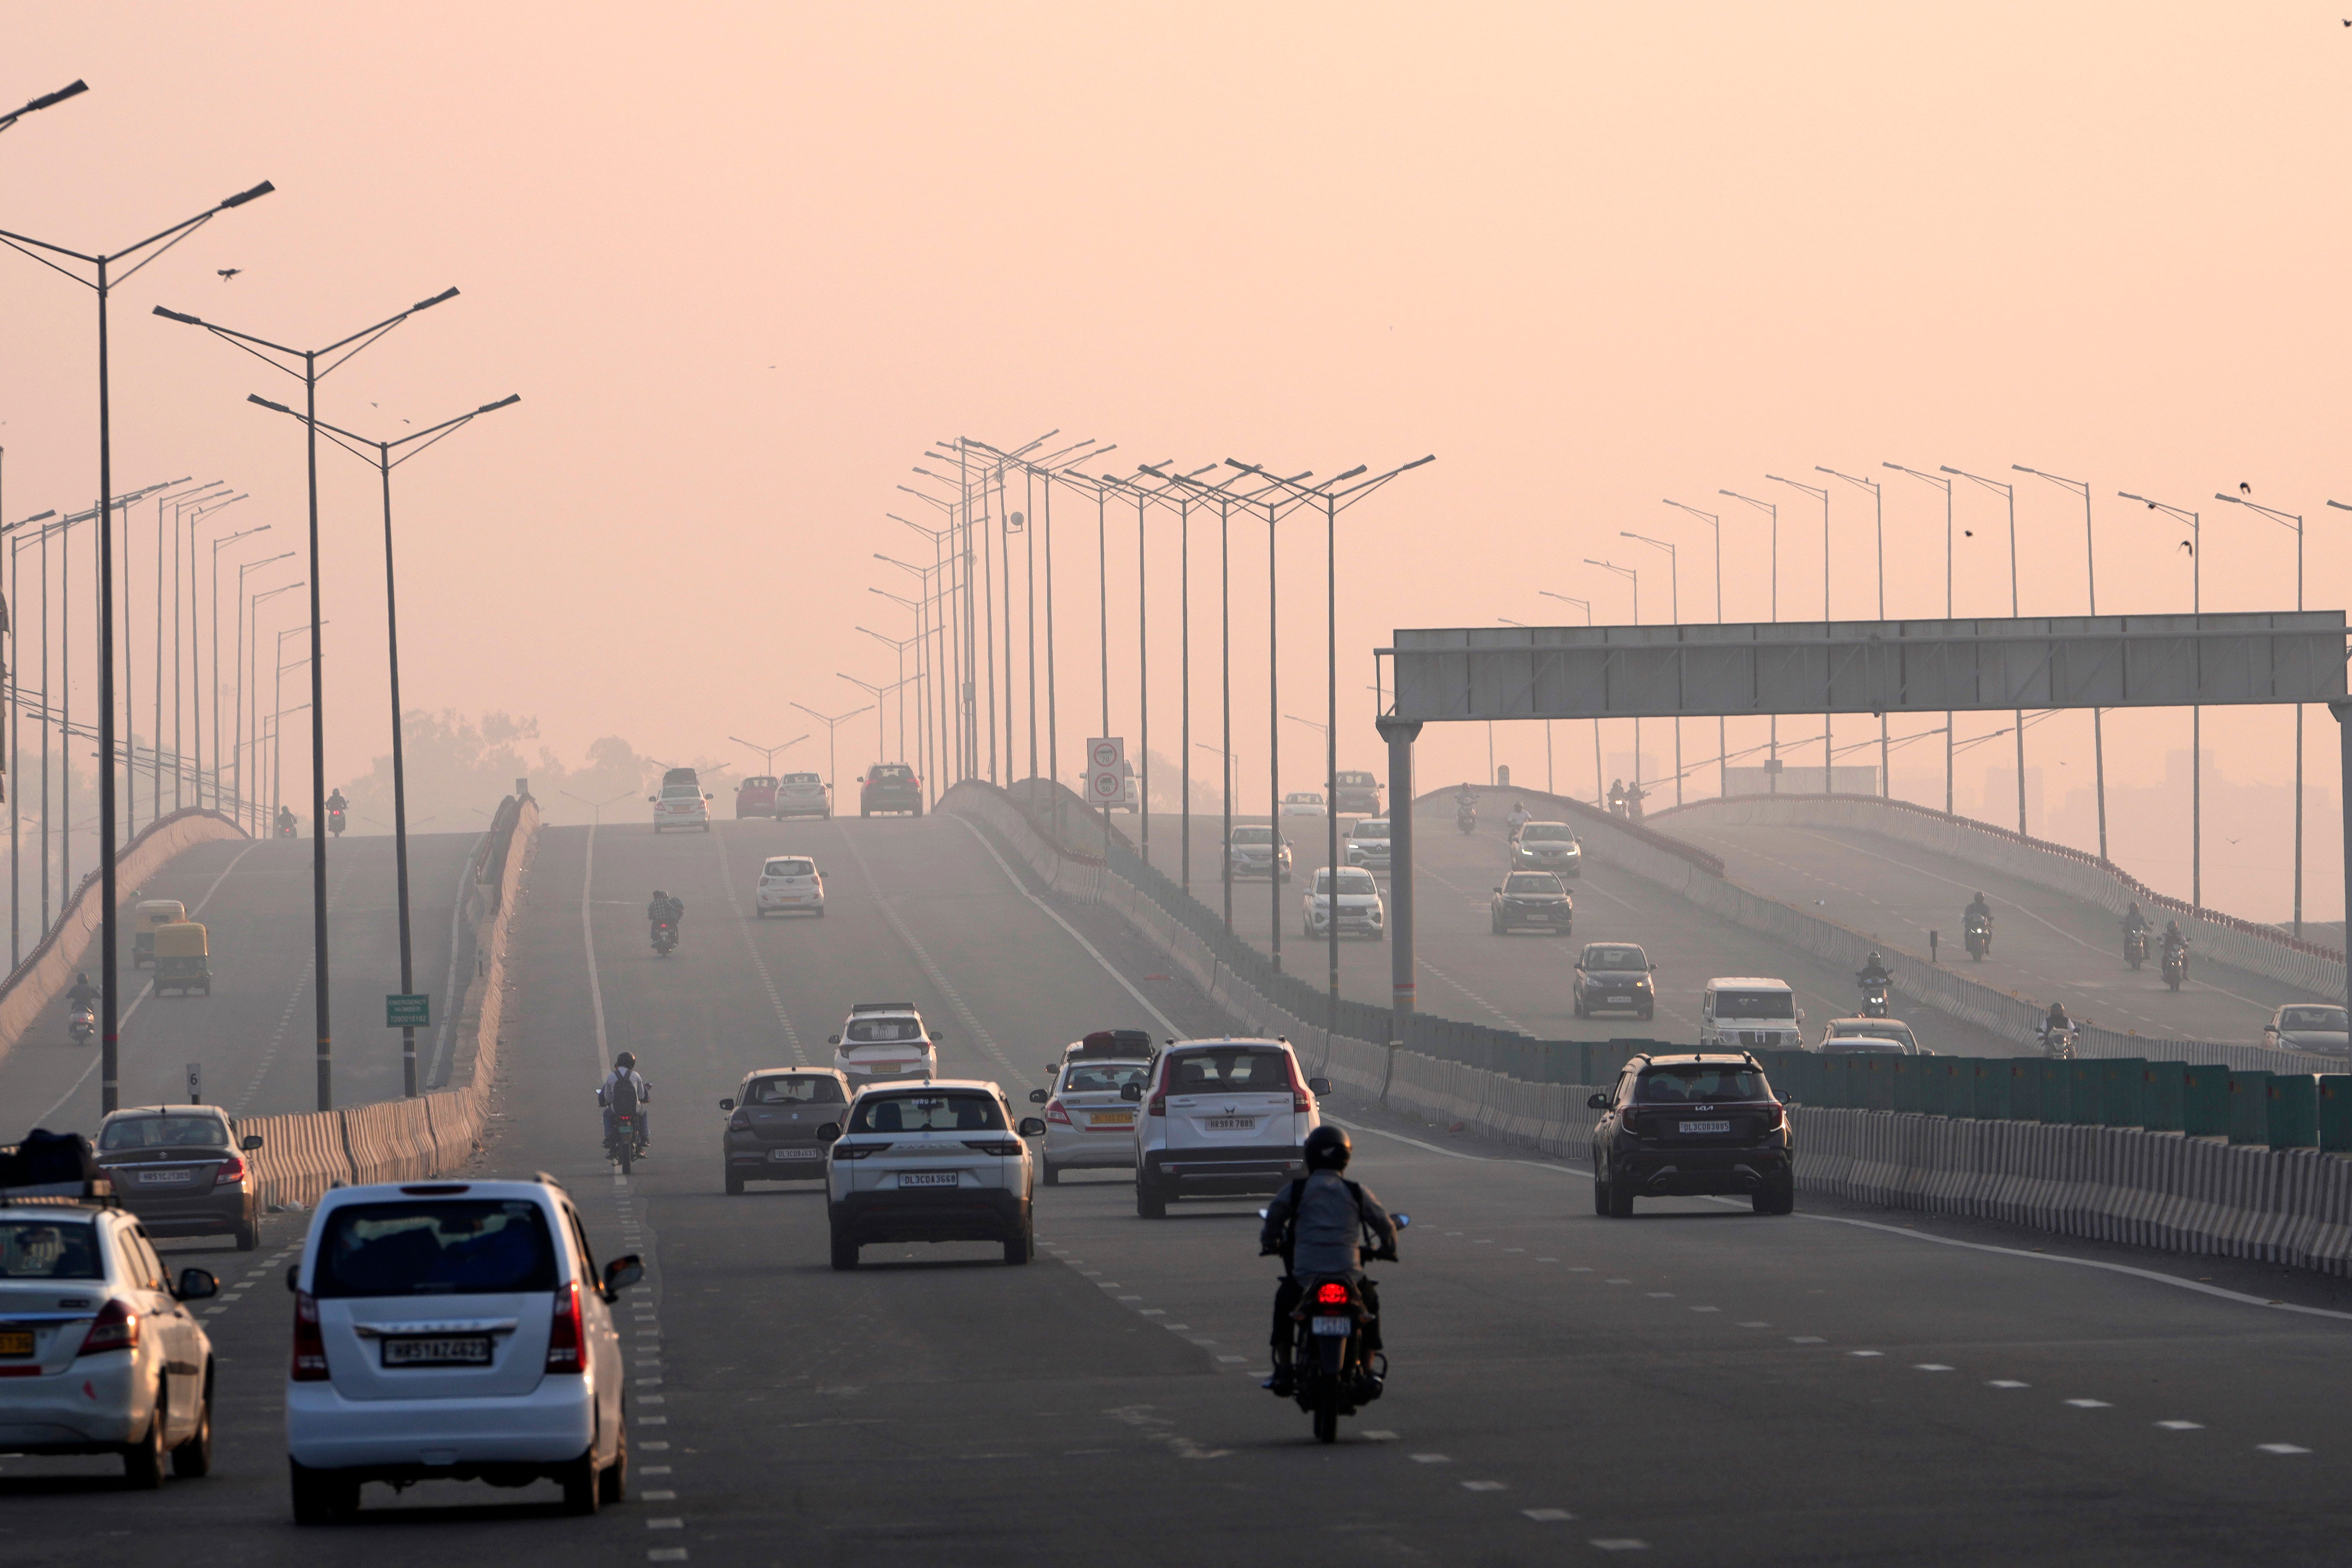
[1873, 960]
[83, 978]
[625, 1062]
[1327, 1149]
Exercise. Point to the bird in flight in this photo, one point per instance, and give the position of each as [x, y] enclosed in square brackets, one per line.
[229, 272]
[2188, 547]
[1967, 533]
[2244, 488]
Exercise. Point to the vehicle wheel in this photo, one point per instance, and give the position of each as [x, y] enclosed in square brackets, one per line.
[583, 1488]
[1151, 1203]
[1052, 1175]
[1022, 1247]
[613, 1486]
[1620, 1203]
[249, 1234]
[845, 1252]
[862, 812]
[193, 1458]
[820, 914]
[142, 1461]
[734, 1183]
[1327, 1410]
[1600, 1193]
[1777, 1197]
[1578, 1007]
[625, 1156]
[321, 1496]
[1647, 1014]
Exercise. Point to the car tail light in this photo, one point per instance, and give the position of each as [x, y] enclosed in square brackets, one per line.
[738, 1122]
[1774, 1115]
[845, 1150]
[565, 1335]
[1159, 1104]
[231, 1170]
[1005, 1148]
[1055, 1112]
[310, 1364]
[1301, 1102]
[117, 1329]
[1333, 1294]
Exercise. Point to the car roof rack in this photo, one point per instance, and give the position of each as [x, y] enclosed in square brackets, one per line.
[858, 1008]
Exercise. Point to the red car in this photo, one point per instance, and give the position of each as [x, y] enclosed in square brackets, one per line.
[756, 797]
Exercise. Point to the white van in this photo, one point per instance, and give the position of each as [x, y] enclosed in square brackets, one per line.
[1747, 1012]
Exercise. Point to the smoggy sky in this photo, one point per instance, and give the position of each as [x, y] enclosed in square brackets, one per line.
[743, 261]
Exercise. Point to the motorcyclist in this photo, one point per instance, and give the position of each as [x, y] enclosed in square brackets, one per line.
[2133, 920]
[2056, 1023]
[337, 805]
[1634, 796]
[1874, 970]
[2175, 939]
[1315, 1225]
[285, 822]
[664, 907]
[625, 1070]
[1520, 817]
[1616, 797]
[82, 994]
[1979, 912]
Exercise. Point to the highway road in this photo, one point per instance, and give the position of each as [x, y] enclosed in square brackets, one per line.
[1698, 1385]
[255, 1034]
[2046, 946]
[1522, 981]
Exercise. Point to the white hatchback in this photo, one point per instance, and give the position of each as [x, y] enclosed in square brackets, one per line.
[455, 1330]
[681, 805]
[97, 1352]
[790, 885]
[885, 1039]
[1221, 1117]
[802, 795]
[931, 1161]
[1302, 803]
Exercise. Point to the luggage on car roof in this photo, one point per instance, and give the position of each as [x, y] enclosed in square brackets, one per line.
[1127, 1043]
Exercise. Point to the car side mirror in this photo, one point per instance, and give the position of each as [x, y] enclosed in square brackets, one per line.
[1130, 1092]
[938, 1036]
[1032, 1127]
[250, 1142]
[293, 1279]
[654, 798]
[1597, 1101]
[1801, 1015]
[833, 1039]
[1498, 889]
[1653, 969]
[1038, 1097]
[828, 1133]
[196, 1284]
[727, 1104]
[621, 1273]
[1318, 1086]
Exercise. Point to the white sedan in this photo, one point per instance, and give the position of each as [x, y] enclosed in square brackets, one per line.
[1088, 1125]
[1302, 803]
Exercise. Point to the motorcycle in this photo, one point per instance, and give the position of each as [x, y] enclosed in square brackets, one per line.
[1332, 1374]
[2176, 967]
[627, 1141]
[1979, 937]
[2058, 1045]
[1465, 818]
[335, 820]
[665, 936]
[1874, 999]
[2135, 948]
[82, 1024]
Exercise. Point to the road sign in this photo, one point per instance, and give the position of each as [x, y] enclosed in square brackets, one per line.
[407, 1012]
[196, 1083]
[1106, 770]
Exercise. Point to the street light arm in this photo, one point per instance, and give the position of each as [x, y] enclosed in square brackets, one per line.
[2286, 519]
[46, 101]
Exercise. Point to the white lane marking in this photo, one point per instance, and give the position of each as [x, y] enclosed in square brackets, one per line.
[657, 1497]
[1484, 1487]
[1433, 1459]
[2090, 1404]
[1807, 1339]
[1866, 1352]
[2182, 1425]
[1547, 1515]
[938, 976]
[2281, 1449]
[1165, 1021]
[759, 959]
[2006, 1383]
[1620, 1543]
[1929, 1366]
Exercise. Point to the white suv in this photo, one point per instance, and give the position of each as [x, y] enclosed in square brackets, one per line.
[1221, 1117]
[931, 1161]
[791, 884]
[454, 1329]
[98, 1354]
[885, 1039]
[1367, 844]
[1361, 910]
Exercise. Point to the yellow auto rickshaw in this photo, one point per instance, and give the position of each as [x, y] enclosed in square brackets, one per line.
[148, 914]
[180, 958]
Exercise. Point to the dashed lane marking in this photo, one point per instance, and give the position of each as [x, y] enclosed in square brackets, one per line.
[938, 976]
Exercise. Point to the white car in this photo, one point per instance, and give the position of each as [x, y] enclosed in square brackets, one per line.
[931, 1161]
[1256, 852]
[1362, 912]
[885, 1039]
[681, 805]
[1221, 1117]
[1367, 844]
[98, 1352]
[1088, 1125]
[802, 795]
[454, 1329]
[1842, 1029]
[1749, 1012]
[1302, 803]
[790, 885]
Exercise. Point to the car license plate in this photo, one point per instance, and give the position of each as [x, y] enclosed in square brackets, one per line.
[1620, 998]
[1332, 1325]
[1706, 1127]
[467, 1350]
[942, 1179]
[15, 1342]
[1112, 1118]
[165, 1178]
[1229, 1123]
[794, 1153]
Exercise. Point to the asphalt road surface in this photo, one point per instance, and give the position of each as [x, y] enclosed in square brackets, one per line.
[2046, 947]
[1698, 1384]
[256, 1034]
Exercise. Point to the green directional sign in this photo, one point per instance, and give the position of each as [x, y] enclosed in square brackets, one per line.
[407, 1012]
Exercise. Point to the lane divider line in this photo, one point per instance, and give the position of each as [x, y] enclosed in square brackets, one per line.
[938, 976]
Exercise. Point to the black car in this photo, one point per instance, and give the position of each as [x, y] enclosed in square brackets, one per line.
[183, 1170]
[1686, 1125]
[1614, 977]
[1531, 899]
[772, 1126]
[1355, 793]
[889, 786]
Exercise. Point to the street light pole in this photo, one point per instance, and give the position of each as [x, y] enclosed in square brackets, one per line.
[246, 652]
[1771, 510]
[2098, 728]
[1951, 752]
[1674, 600]
[1722, 726]
[1599, 784]
[1632, 575]
[2196, 543]
[832, 751]
[1820, 492]
[1885, 751]
[878, 691]
[2294, 521]
[192, 707]
[217, 543]
[2008, 492]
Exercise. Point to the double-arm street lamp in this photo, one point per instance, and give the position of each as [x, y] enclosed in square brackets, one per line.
[193, 706]
[899, 646]
[832, 751]
[2098, 726]
[237, 648]
[1878, 524]
[2195, 544]
[879, 690]
[102, 284]
[767, 753]
[1950, 754]
[2009, 494]
[250, 666]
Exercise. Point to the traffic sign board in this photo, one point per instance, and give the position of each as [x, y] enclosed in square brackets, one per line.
[1105, 770]
[403, 1010]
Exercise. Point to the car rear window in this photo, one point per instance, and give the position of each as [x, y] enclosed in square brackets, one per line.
[435, 1247]
[1357, 779]
[760, 783]
[801, 779]
[1532, 882]
[165, 1133]
[1698, 1085]
[952, 1110]
[893, 774]
[681, 791]
[794, 1091]
[1261, 1068]
[1102, 1079]
[882, 1031]
[1614, 958]
[40, 1249]
[789, 868]
[1755, 1004]
[1548, 831]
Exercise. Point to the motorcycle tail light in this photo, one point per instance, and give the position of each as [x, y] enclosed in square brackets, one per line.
[1055, 1112]
[310, 1365]
[231, 1171]
[116, 1329]
[566, 1335]
[1331, 1295]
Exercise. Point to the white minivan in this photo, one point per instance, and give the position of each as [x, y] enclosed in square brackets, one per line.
[1221, 1117]
[454, 1329]
[1746, 1012]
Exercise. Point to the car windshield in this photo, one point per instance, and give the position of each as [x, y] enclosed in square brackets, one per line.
[1615, 958]
[954, 1111]
[810, 1090]
[1352, 879]
[789, 868]
[2321, 1018]
[435, 1247]
[800, 778]
[1371, 830]
[1531, 882]
[39, 1249]
[1260, 1069]
[1698, 1085]
[1868, 1028]
[1253, 835]
[1755, 1004]
[880, 1031]
[165, 1133]
[1102, 1078]
[1548, 832]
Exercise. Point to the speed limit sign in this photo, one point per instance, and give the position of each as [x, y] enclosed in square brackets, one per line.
[1105, 770]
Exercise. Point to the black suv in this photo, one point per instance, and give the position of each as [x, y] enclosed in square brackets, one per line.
[1355, 794]
[889, 786]
[1683, 1125]
[1531, 899]
[1614, 977]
